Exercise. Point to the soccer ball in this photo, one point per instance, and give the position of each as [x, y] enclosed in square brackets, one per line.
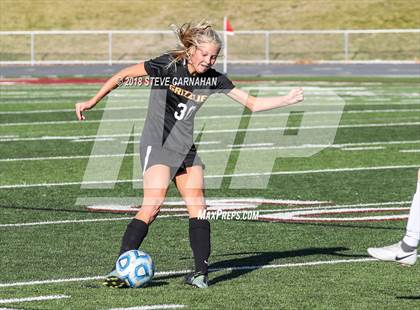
[135, 267]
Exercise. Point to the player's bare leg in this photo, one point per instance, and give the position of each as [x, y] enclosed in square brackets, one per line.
[155, 183]
[405, 251]
[191, 187]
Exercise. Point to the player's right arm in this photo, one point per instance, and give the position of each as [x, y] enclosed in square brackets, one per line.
[112, 83]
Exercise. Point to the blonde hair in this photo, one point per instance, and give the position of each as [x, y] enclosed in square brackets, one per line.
[190, 36]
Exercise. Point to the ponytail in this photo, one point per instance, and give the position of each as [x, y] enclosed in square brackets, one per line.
[189, 36]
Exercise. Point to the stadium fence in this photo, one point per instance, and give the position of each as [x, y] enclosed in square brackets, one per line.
[251, 46]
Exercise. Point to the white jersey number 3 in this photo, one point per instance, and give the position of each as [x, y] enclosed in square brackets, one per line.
[183, 109]
[182, 113]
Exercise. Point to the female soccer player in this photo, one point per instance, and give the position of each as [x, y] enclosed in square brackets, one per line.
[181, 81]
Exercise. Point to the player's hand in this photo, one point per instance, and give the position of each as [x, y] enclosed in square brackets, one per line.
[295, 96]
[80, 107]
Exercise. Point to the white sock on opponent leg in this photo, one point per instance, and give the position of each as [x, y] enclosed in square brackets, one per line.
[412, 234]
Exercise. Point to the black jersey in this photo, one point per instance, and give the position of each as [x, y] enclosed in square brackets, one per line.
[175, 98]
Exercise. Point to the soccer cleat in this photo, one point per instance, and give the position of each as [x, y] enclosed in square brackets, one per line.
[394, 253]
[197, 279]
[112, 280]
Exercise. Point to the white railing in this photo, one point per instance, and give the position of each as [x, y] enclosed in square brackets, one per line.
[275, 46]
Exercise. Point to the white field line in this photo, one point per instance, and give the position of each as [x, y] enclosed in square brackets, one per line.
[410, 151]
[316, 171]
[50, 281]
[212, 204]
[231, 147]
[152, 307]
[234, 201]
[128, 142]
[68, 110]
[67, 157]
[111, 219]
[358, 205]
[375, 143]
[353, 102]
[254, 207]
[43, 138]
[350, 206]
[93, 140]
[309, 127]
[27, 299]
[271, 173]
[127, 208]
[297, 210]
[249, 145]
[379, 102]
[8, 136]
[220, 131]
[367, 148]
[122, 120]
[48, 138]
[215, 117]
[68, 183]
[305, 215]
[63, 222]
[309, 87]
[182, 272]
[44, 93]
[138, 142]
[206, 142]
[212, 116]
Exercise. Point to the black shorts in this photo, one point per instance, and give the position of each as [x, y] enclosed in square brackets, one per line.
[151, 155]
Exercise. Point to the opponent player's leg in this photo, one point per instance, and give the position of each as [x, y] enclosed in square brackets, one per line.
[405, 251]
[191, 187]
[155, 184]
[412, 234]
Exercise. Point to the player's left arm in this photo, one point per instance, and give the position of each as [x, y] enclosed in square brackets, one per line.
[256, 104]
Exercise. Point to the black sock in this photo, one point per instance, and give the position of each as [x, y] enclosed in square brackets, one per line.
[200, 243]
[134, 234]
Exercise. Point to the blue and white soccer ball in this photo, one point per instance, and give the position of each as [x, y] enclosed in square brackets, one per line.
[135, 267]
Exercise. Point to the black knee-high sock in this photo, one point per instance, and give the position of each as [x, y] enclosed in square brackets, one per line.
[134, 234]
[199, 231]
